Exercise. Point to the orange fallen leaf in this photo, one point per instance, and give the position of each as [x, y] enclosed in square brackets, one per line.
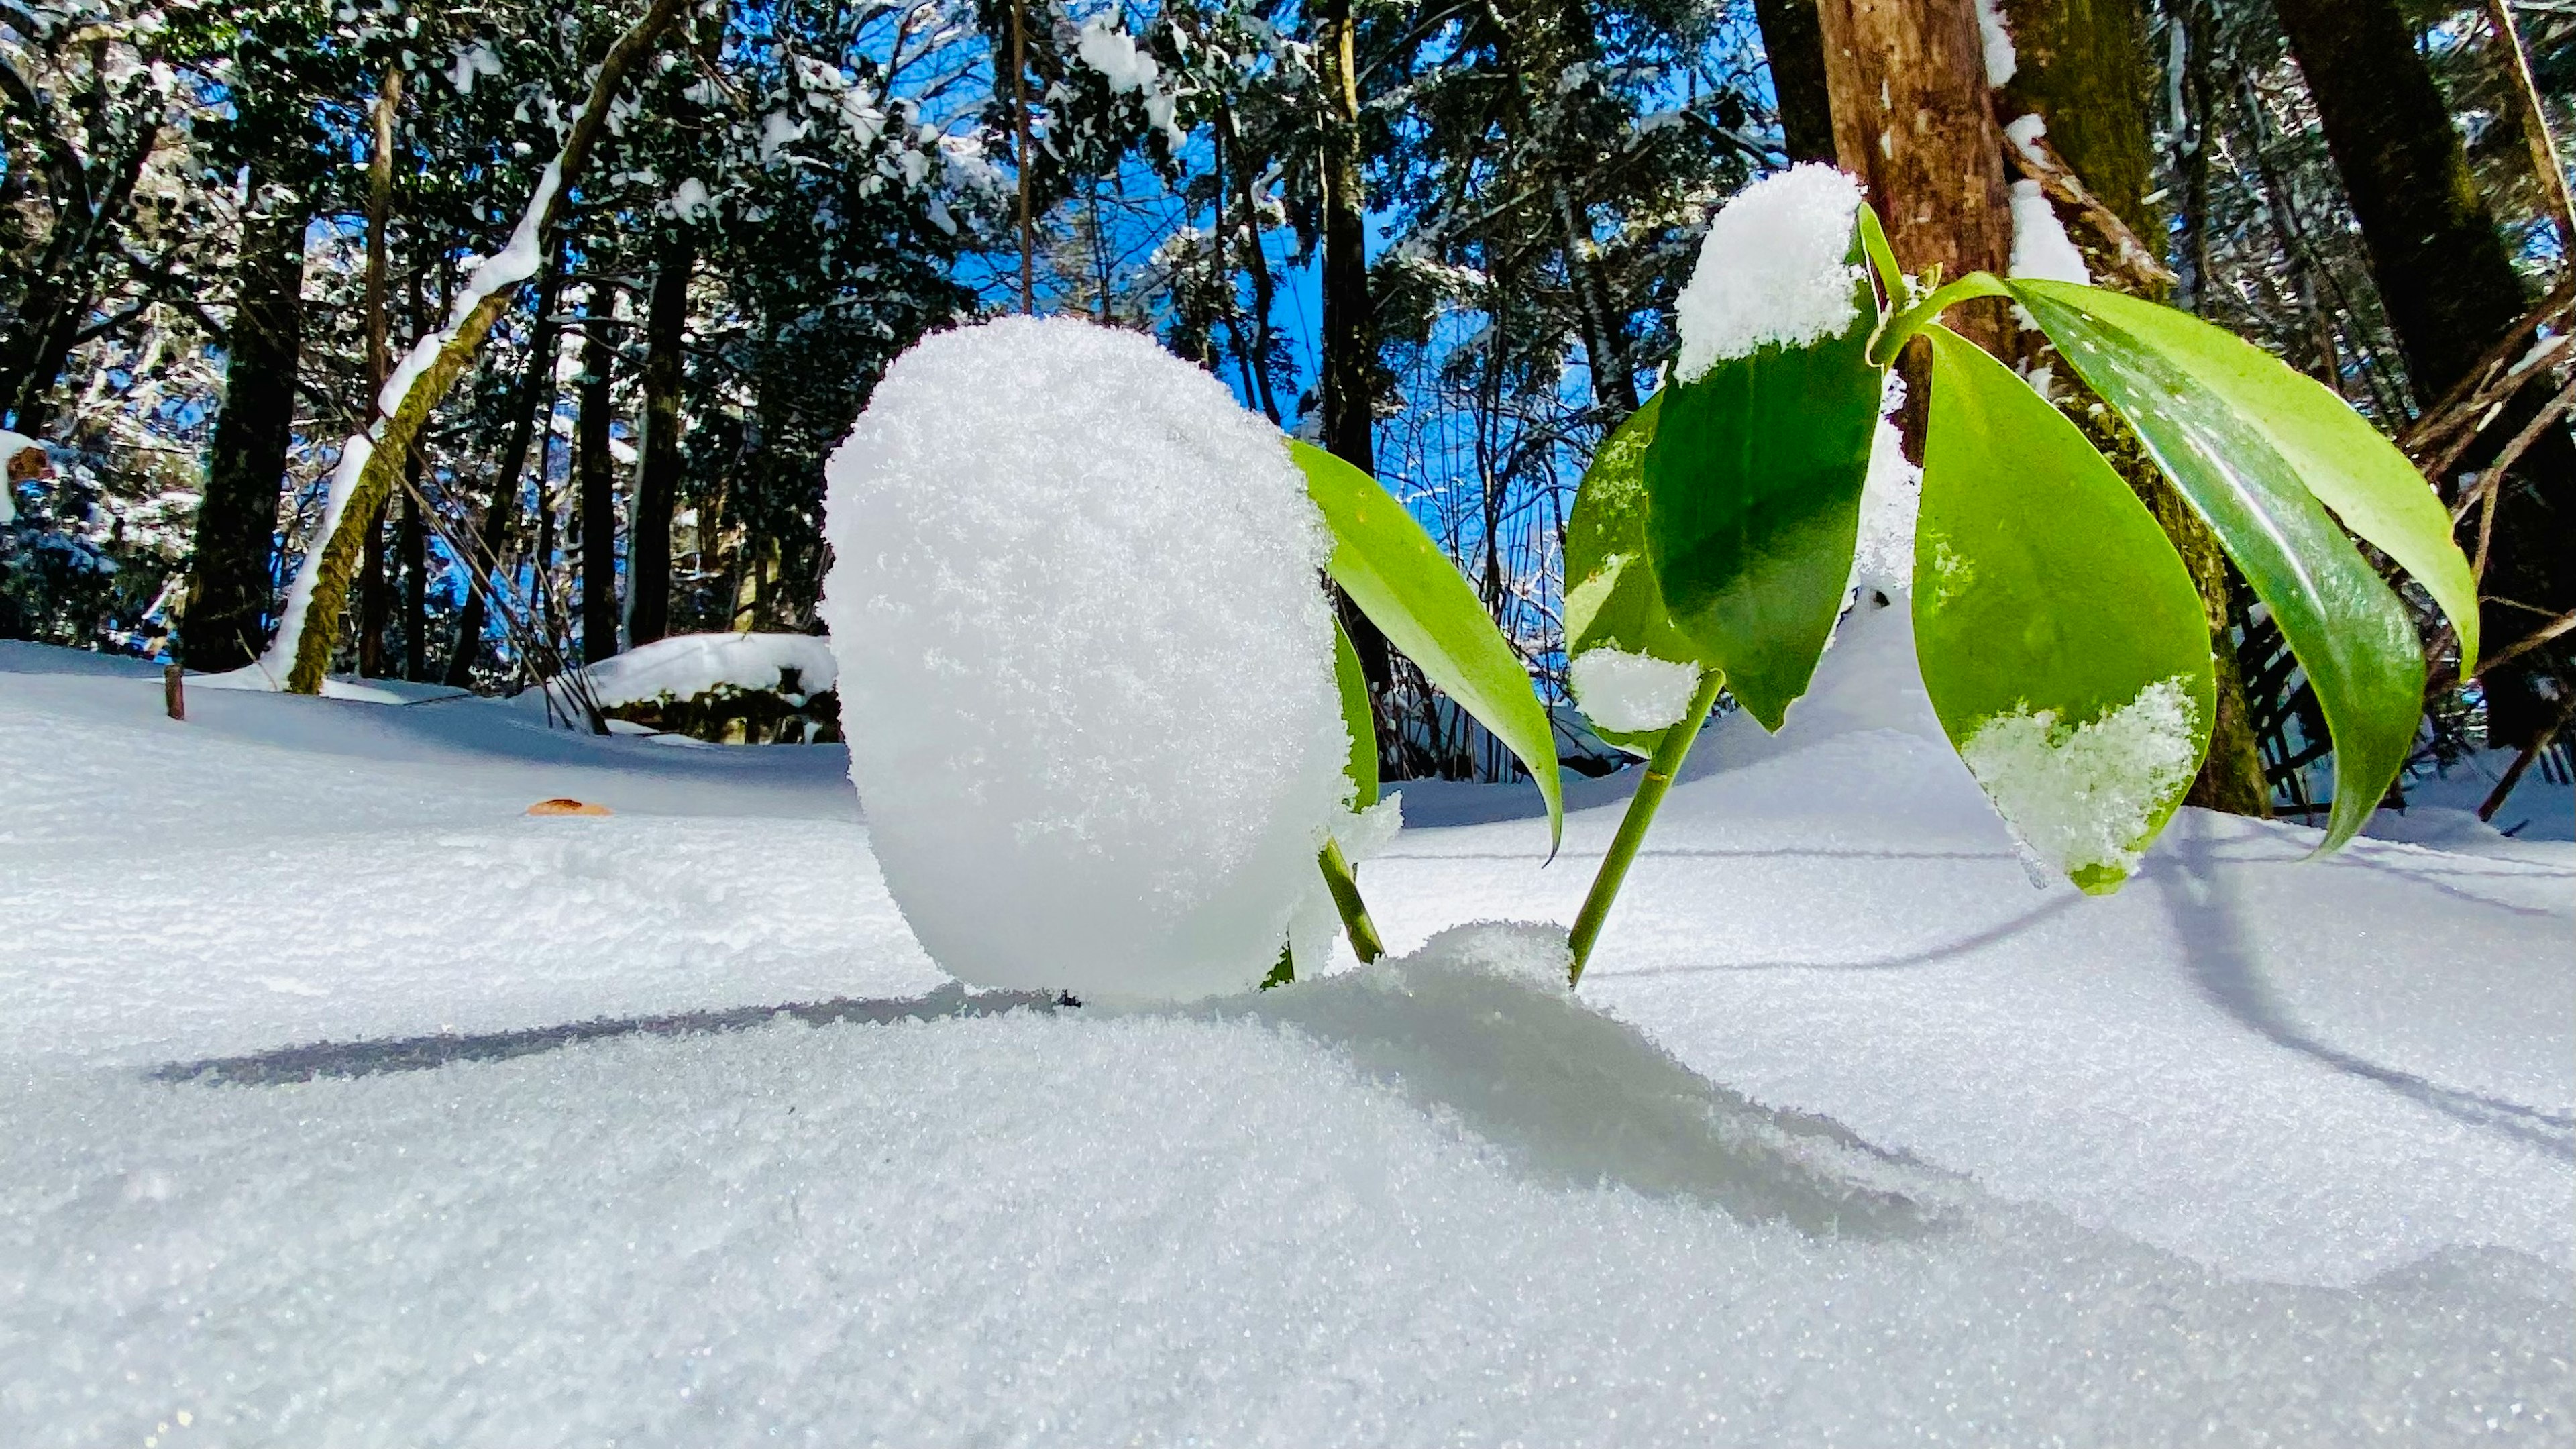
[562, 806]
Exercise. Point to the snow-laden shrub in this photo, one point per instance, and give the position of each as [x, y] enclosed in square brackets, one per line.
[1087, 673]
[1721, 529]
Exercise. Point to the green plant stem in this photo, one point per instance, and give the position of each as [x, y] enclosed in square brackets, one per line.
[1345, 887]
[1900, 327]
[1666, 762]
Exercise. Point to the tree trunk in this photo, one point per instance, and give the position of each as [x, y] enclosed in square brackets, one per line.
[536, 386]
[1914, 119]
[1350, 330]
[1262, 287]
[413, 540]
[1796, 50]
[375, 598]
[65, 286]
[229, 584]
[598, 474]
[2451, 292]
[2082, 68]
[648, 545]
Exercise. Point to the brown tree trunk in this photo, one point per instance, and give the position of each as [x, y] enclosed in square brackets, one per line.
[1795, 48]
[598, 475]
[648, 544]
[1350, 331]
[2081, 66]
[375, 599]
[229, 584]
[413, 540]
[2450, 291]
[1914, 119]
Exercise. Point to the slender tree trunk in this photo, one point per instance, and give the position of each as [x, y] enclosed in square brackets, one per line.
[2082, 68]
[598, 472]
[225, 625]
[1350, 330]
[375, 603]
[648, 546]
[1795, 48]
[413, 540]
[33, 355]
[1263, 289]
[536, 387]
[2451, 292]
[375, 597]
[1914, 119]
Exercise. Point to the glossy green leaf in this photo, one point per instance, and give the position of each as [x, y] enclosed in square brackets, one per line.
[2261, 453]
[1611, 600]
[2043, 587]
[1357, 718]
[1407, 587]
[1752, 483]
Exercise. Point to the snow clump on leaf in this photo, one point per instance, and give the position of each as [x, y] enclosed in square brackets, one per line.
[2084, 797]
[1776, 269]
[1628, 692]
[1086, 668]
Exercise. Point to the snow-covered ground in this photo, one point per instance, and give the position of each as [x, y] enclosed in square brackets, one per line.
[347, 1104]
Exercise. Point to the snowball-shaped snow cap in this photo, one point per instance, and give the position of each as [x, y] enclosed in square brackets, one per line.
[1776, 269]
[1086, 668]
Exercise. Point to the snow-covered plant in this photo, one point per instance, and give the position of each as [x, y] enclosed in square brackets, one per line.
[2062, 644]
[1099, 713]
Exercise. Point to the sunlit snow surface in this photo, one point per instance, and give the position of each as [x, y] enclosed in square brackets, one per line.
[1875, 1143]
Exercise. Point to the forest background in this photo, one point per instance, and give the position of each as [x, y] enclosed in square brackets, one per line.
[1442, 239]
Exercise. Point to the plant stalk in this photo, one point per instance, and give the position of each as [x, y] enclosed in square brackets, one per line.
[1666, 762]
[1345, 886]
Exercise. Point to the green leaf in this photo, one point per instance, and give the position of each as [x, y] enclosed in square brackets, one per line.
[1357, 718]
[2261, 453]
[1406, 586]
[1611, 600]
[1753, 483]
[2042, 586]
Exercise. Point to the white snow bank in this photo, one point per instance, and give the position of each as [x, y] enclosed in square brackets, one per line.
[1085, 661]
[1623, 691]
[1774, 270]
[685, 666]
[1851, 1136]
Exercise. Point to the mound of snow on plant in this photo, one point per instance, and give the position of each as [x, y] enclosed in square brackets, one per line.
[1776, 269]
[1085, 662]
[685, 666]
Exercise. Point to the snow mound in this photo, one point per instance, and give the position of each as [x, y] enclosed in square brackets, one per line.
[1085, 664]
[1775, 269]
[685, 666]
[1623, 691]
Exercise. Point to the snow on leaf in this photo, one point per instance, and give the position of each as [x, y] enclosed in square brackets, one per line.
[1775, 269]
[2082, 796]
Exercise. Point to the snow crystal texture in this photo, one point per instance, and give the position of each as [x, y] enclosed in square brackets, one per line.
[1775, 269]
[2082, 795]
[1085, 663]
[1623, 691]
